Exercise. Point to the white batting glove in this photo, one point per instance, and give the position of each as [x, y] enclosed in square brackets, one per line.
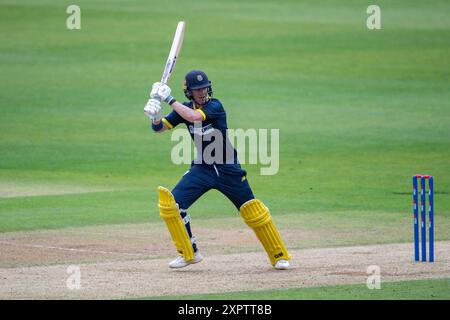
[154, 92]
[153, 109]
[161, 91]
[164, 92]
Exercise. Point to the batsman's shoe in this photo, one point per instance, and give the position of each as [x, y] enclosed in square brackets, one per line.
[180, 262]
[282, 265]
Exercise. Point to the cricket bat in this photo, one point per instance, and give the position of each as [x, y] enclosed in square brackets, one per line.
[174, 51]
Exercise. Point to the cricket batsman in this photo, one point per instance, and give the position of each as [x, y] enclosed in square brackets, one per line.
[205, 118]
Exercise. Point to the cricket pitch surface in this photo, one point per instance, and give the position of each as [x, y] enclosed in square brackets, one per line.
[131, 261]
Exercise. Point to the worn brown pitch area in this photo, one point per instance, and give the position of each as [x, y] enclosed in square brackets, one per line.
[118, 261]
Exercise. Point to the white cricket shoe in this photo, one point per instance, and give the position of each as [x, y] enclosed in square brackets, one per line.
[282, 265]
[179, 262]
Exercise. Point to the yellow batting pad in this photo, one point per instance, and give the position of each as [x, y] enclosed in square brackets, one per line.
[257, 216]
[170, 213]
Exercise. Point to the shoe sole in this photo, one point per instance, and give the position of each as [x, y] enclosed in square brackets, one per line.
[187, 263]
[282, 267]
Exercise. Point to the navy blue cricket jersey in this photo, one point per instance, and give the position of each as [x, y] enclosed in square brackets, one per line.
[214, 118]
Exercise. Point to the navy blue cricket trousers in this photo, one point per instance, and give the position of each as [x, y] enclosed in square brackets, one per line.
[201, 178]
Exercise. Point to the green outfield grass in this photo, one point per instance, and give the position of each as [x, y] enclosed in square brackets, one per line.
[437, 289]
[359, 111]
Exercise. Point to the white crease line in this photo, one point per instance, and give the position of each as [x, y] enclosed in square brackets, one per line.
[71, 249]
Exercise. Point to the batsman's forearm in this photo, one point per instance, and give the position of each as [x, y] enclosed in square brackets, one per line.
[186, 113]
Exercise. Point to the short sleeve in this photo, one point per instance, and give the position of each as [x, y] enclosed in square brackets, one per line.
[172, 119]
[213, 110]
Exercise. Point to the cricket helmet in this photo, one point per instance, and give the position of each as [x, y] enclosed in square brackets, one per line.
[196, 79]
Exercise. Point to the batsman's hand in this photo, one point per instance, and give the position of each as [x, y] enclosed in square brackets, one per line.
[161, 91]
[154, 92]
[153, 109]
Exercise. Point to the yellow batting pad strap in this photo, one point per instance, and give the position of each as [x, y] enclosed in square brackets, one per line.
[257, 216]
[170, 213]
